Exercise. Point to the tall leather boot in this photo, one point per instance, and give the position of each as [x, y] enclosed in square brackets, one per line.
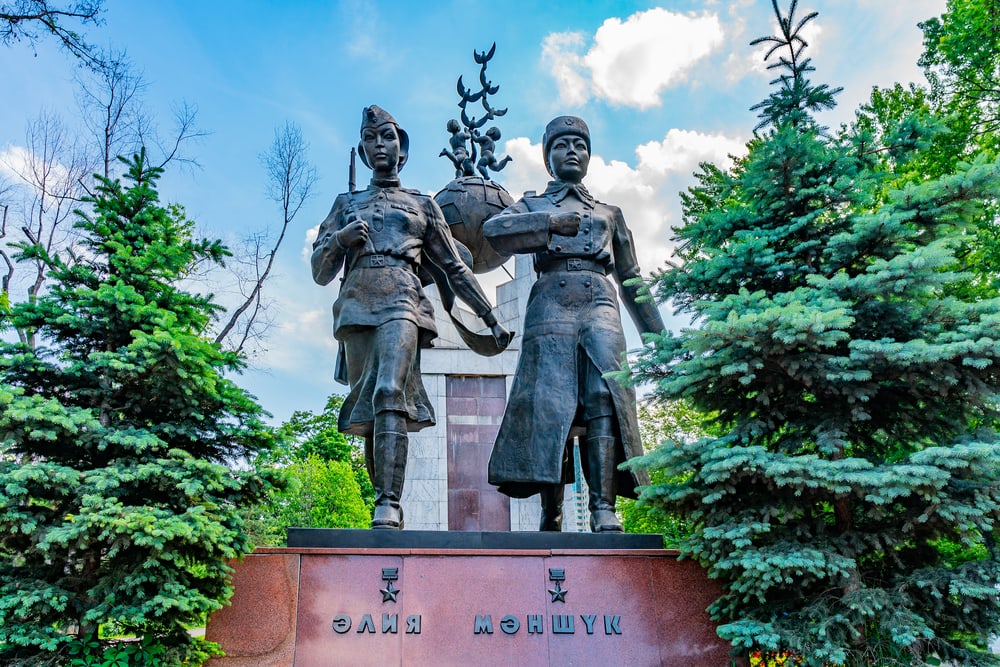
[552, 508]
[602, 479]
[389, 458]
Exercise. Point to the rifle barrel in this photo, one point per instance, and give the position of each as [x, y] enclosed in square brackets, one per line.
[352, 173]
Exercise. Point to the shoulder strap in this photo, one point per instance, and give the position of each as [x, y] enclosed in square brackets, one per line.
[528, 196]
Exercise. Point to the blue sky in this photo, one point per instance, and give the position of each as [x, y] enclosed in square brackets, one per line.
[662, 86]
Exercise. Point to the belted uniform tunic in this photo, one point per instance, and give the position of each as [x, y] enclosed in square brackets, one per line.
[380, 285]
[572, 336]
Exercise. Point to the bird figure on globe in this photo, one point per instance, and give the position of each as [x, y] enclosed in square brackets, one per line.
[471, 199]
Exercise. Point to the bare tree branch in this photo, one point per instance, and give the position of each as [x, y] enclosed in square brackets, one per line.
[185, 130]
[30, 20]
[111, 102]
[109, 98]
[56, 168]
[5, 285]
[291, 178]
[51, 168]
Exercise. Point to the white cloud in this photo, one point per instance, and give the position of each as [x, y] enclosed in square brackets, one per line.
[307, 243]
[561, 52]
[888, 31]
[18, 163]
[682, 150]
[13, 161]
[646, 193]
[633, 61]
[301, 338]
[361, 15]
[902, 12]
[527, 171]
[893, 45]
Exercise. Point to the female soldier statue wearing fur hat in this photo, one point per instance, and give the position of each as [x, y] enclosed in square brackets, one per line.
[572, 337]
[379, 237]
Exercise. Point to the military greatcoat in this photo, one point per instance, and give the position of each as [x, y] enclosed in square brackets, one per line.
[572, 321]
[380, 284]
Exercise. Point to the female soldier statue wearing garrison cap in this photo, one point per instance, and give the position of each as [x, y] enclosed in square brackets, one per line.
[572, 337]
[379, 237]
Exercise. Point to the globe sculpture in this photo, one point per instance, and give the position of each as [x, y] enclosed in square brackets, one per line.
[467, 203]
[473, 198]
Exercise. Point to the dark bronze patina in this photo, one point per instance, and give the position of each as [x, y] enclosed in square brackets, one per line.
[471, 199]
[573, 336]
[462, 155]
[380, 238]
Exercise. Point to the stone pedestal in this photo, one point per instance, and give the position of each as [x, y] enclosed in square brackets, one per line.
[468, 599]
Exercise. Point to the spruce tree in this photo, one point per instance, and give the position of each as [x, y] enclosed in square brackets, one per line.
[118, 497]
[848, 503]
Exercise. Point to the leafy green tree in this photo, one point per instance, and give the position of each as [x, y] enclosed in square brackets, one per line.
[847, 377]
[902, 130]
[117, 504]
[961, 61]
[308, 434]
[911, 138]
[671, 422]
[328, 484]
[953, 120]
[321, 493]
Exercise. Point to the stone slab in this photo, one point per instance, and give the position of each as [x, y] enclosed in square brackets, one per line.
[506, 607]
[258, 627]
[439, 539]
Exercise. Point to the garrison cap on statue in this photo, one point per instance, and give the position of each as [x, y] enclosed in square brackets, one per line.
[376, 116]
[562, 125]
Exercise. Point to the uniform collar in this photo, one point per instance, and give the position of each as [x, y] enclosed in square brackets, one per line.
[385, 182]
[558, 190]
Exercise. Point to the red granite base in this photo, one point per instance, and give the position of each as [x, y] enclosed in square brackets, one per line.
[258, 628]
[442, 607]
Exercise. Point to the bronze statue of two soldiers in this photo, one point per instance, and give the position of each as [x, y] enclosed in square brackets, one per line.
[380, 237]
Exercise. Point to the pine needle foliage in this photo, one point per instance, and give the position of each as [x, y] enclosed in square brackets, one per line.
[118, 506]
[848, 502]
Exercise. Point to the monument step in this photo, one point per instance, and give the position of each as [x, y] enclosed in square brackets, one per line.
[334, 538]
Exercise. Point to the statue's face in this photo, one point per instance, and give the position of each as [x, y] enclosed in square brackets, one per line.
[381, 146]
[569, 158]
